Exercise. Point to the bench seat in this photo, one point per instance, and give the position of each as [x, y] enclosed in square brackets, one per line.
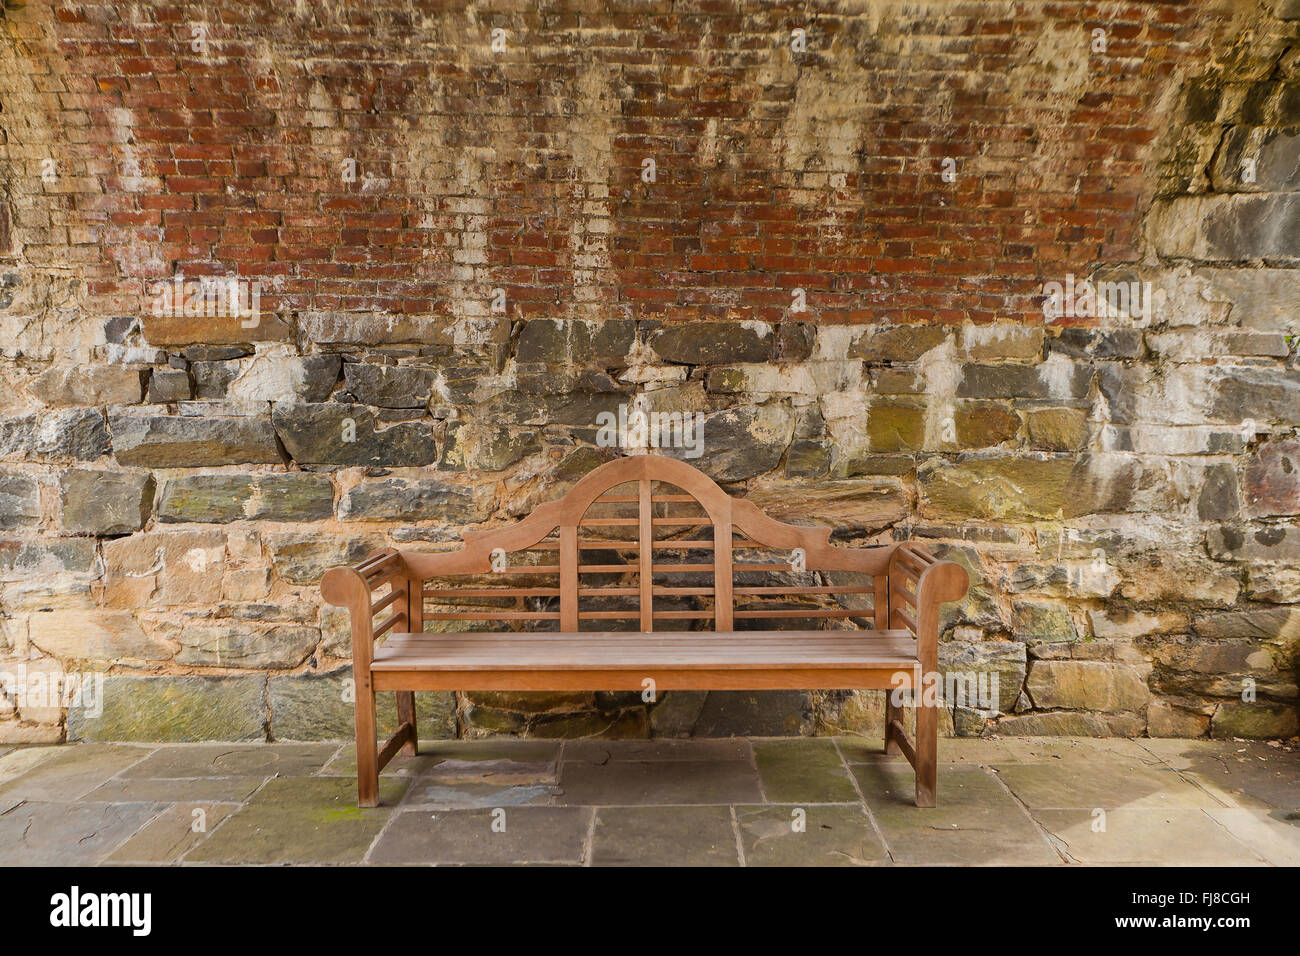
[619, 660]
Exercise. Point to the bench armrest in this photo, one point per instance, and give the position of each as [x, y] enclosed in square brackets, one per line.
[354, 587]
[918, 585]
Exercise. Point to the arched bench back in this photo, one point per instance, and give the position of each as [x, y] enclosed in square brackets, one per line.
[643, 541]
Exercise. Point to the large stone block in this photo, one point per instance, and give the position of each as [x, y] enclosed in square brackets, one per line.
[1260, 720]
[477, 446]
[236, 644]
[1257, 394]
[1279, 542]
[1271, 484]
[224, 498]
[105, 502]
[390, 386]
[997, 668]
[88, 385]
[897, 343]
[561, 341]
[1025, 488]
[302, 557]
[740, 443]
[714, 343]
[1227, 227]
[894, 426]
[175, 709]
[400, 499]
[20, 500]
[1058, 379]
[98, 635]
[170, 441]
[76, 433]
[337, 434]
[1086, 685]
[164, 568]
[868, 504]
[320, 707]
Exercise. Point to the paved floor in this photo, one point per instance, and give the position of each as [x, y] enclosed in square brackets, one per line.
[750, 802]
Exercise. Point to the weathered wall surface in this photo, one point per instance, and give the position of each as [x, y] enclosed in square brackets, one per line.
[840, 259]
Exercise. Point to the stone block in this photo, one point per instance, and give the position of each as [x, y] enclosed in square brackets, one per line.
[175, 709]
[220, 499]
[170, 441]
[105, 502]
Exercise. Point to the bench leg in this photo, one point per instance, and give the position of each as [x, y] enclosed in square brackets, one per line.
[367, 745]
[927, 755]
[892, 713]
[406, 715]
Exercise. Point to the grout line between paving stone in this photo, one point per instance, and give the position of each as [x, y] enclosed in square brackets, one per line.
[1048, 837]
[1249, 849]
[589, 844]
[862, 798]
[1195, 782]
[243, 805]
[740, 843]
[758, 776]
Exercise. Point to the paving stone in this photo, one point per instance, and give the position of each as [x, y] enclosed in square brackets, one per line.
[832, 836]
[976, 819]
[301, 820]
[955, 750]
[531, 835]
[234, 760]
[1102, 784]
[1272, 834]
[72, 772]
[603, 751]
[498, 762]
[170, 789]
[1172, 837]
[803, 771]
[344, 763]
[49, 834]
[16, 762]
[664, 836]
[1239, 773]
[637, 783]
[172, 834]
[438, 794]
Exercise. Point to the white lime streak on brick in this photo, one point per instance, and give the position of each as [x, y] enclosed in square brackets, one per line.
[941, 373]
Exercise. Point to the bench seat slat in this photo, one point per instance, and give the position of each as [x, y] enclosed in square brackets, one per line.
[736, 650]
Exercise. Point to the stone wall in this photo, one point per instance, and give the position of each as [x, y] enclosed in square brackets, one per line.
[473, 229]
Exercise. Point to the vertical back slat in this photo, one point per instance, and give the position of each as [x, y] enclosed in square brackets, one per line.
[722, 600]
[568, 578]
[646, 538]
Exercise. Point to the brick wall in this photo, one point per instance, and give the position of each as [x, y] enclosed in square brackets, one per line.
[470, 230]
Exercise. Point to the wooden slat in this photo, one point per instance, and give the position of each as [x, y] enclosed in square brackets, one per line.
[906, 618]
[405, 734]
[647, 558]
[490, 592]
[389, 621]
[387, 599]
[615, 651]
[491, 614]
[899, 737]
[689, 521]
[723, 578]
[907, 596]
[818, 589]
[569, 578]
[907, 572]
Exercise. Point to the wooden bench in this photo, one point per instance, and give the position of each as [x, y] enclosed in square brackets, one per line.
[569, 598]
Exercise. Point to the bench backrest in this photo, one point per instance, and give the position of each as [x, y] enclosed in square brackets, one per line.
[649, 543]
